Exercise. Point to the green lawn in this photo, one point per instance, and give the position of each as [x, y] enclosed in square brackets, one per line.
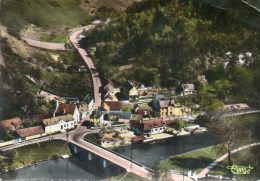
[194, 160]
[38, 152]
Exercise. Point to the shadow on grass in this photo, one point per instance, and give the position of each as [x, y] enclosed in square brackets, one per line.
[191, 163]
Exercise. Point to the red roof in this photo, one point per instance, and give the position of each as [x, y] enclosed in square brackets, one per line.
[16, 122]
[65, 108]
[30, 131]
[113, 106]
[148, 125]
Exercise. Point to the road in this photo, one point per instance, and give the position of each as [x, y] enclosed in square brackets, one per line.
[204, 172]
[95, 75]
[45, 45]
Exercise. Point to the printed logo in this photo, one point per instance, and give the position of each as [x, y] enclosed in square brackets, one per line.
[240, 170]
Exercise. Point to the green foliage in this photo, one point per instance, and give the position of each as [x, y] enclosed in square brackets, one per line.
[44, 13]
[174, 41]
[179, 124]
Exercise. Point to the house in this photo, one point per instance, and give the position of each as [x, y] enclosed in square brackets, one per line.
[143, 110]
[112, 106]
[187, 89]
[11, 124]
[235, 107]
[87, 107]
[169, 108]
[65, 109]
[110, 91]
[31, 131]
[59, 123]
[149, 127]
[131, 91]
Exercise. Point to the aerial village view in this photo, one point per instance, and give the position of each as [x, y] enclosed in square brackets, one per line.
[130, 90]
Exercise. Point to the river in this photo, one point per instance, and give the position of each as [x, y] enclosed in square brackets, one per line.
[74, 168]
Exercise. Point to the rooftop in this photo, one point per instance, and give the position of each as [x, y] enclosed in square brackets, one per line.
[16, 122]
[52, 121]
[30, 131]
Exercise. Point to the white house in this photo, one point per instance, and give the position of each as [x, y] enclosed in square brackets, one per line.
[59, 124]
[65, 109]
[187, 89]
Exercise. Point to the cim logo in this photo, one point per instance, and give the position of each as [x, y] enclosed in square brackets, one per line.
[240, 170]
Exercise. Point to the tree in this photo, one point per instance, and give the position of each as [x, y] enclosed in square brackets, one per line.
[230, 132]
[179, 124]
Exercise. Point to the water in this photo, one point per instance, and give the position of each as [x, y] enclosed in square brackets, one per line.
[79, 168]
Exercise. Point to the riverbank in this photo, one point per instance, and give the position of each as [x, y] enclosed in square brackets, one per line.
[32, 154]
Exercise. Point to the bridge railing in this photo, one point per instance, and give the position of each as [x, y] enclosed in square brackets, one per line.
[123, 156]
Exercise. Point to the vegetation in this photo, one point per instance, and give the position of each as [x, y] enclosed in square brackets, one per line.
[244, 158]
[57, 38]
[230, 131]
[32, 154]
[194, 160]
[57, 14]
[22, 78]
[175, 41]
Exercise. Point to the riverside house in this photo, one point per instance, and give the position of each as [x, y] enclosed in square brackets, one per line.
[59, 124]
[149, 127]
[65, 109]
[168, 108]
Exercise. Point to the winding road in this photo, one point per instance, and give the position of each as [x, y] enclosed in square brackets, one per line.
[95, 76]
[73, 37]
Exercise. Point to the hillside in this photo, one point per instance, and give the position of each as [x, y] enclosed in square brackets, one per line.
[171, 42]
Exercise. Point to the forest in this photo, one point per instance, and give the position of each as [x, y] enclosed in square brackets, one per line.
[169, 42]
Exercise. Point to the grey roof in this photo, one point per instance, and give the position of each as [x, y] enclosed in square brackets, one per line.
[166, 103]
[188, 86]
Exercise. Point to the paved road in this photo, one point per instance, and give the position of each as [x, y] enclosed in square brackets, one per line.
[61, 136]
[45, 45]
[204, 172]
[95, 75]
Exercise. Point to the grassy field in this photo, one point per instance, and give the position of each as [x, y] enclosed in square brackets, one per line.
[54, 14]
[36, 153]
[245, 158]
[56, 38]
[194, 160]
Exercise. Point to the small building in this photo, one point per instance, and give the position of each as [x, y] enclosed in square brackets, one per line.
[149, 127]
[187, 89]
[110, 91]
[143, 110]
[86, 107]
[131, 91]
[59, 124]
[68, 109]
[168, 108]
[11, 124]
[112, 106]
[235, 107]
[29, 132]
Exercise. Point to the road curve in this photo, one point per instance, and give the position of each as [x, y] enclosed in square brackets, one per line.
[45, 45]
[95, 76]
[204, 172]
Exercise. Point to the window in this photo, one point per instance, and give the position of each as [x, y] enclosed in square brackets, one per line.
[160, 128]
[61, 126]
